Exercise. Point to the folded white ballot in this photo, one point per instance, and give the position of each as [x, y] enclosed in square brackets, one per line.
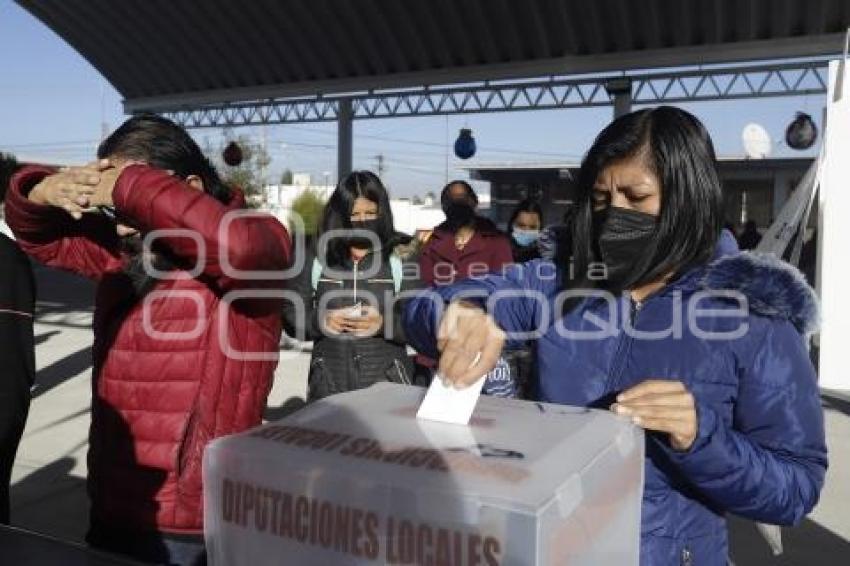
[445, 403]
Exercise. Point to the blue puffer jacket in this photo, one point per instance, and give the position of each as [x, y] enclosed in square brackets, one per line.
[760, 451]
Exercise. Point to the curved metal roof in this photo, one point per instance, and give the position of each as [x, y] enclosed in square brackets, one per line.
[168, 54]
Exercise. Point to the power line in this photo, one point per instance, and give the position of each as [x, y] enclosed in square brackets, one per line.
[441, 145]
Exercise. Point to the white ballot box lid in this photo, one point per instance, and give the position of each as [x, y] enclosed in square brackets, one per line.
[520, 454]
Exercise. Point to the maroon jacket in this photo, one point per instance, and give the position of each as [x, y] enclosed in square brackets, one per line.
[159, 399]
[441, 263]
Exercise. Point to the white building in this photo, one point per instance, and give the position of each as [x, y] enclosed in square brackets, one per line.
[408, 217]
[411, 218]
[283, 196]
[279, 198]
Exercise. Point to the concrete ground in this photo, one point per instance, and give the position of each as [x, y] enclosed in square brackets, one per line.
[48, 491]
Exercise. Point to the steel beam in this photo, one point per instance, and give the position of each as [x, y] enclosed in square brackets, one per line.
[707, 84]
[829, 45]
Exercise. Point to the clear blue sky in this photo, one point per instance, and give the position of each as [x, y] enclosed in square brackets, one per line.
[53, 105]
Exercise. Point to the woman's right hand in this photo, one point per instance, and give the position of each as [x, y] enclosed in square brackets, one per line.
[470, 343]
[335, 321]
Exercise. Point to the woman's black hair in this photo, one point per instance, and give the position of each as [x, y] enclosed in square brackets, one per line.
[337, 214]
[445, 194]
[162, 144]
[678, 149]
[528, 205]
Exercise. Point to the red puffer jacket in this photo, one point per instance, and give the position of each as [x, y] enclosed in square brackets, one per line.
[169, 373]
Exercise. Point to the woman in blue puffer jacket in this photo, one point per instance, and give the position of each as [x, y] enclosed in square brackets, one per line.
[661, 319]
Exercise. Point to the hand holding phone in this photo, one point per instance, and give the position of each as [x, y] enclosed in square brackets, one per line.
[354, 311]
[367, 321]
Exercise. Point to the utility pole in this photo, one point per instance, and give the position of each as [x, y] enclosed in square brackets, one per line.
[380, 160]
[263, 164]
[104, 127]
[447, 149]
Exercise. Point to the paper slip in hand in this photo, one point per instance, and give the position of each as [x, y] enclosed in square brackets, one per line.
[449, 405]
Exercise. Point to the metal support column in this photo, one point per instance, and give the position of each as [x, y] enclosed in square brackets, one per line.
[781, 190]
[344, 144]
[621, 91]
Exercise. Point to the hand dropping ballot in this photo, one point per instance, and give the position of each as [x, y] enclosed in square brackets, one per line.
[445, 403]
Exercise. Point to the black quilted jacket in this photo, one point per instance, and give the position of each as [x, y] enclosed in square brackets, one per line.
[342, 362]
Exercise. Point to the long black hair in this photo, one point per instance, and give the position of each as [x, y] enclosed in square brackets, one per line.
[677, 148]
[337, 214]
[527, 205]
[162, 144]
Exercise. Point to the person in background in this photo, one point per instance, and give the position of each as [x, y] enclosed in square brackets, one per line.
[349, 292]
[528, 239]
[729, 401]
[750, 237]
[556, 241]
[465, 245]
[175, 361]
[17, 357]
[524, 229]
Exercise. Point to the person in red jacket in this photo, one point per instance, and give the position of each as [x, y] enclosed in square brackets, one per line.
[178, 358]
[465, 245]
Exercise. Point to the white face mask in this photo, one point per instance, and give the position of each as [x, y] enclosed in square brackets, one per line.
[525, 237]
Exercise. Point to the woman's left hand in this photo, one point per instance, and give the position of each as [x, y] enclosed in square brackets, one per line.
[108, 178]
[663, 406]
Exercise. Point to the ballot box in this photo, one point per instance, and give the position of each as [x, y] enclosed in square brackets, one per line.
[358, 479]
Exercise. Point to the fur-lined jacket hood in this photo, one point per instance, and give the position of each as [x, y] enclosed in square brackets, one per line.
[773, 287]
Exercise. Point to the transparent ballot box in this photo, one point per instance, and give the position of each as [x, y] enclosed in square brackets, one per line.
[357, 479]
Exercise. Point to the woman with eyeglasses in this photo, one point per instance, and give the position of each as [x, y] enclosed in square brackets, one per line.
[350, 292]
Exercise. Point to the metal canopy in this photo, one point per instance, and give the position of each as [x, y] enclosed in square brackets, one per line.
[789, 79]
[168, 55]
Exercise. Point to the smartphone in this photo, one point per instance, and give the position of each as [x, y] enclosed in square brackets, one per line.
[354, 311]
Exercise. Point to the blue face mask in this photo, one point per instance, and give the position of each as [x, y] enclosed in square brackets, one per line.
[525, 237]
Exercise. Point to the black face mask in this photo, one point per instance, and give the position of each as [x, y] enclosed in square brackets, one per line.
[623, 239]
[359, 241]
[459, 214]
